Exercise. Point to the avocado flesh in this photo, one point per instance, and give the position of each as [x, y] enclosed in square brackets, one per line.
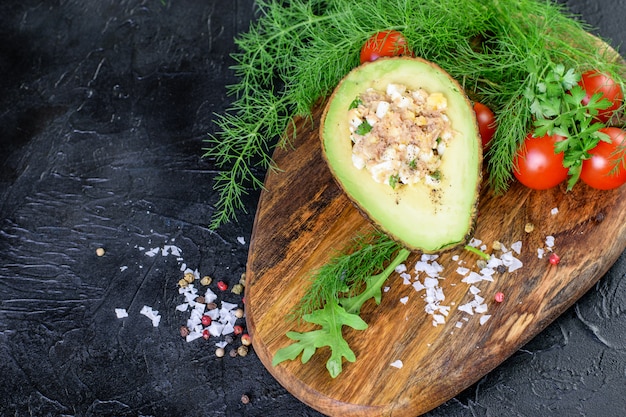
[418, 216]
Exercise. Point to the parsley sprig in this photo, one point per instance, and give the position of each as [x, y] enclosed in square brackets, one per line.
[557, 105]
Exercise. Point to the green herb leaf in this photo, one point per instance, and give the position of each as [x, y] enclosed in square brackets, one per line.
[363, 129]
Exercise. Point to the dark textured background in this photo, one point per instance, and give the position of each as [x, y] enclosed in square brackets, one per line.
[103, 109]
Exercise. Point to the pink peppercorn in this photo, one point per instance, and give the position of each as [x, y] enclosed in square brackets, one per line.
[206, 334]
[499, 297]
[554, 259]
[206, 320]
[238, 329]
[222, 286]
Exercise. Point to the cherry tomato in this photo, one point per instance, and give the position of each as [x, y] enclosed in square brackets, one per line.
[486, 123]
[595, 82]
[536, 165]
[605, 169]
[385, 43]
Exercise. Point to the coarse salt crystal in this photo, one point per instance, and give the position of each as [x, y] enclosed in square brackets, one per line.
[123, 268]
[404, 300]
[430, 282]
[193, 336]
[482, 308]
[406, 278]
[461, 270]
[517, 247]
[459, 324]
[221, 344]
[241, 240]
[554, 211]
[540, 253]
[182, 307]
[549, 241]
[401, 268]
[483, 319]
[467, 308]
[386, 289]
[152, 252]
[474, 290]
[418, 286]
[397, 364]
[121, 313]
[151, 314]
[472, 278]
[439, 318]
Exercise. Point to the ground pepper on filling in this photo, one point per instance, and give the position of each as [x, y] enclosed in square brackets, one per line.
[400, 135]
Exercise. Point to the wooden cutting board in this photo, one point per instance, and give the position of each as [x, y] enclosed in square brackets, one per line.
[303, 217]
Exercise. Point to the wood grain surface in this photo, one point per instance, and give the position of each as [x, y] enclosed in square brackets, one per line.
[303, 218]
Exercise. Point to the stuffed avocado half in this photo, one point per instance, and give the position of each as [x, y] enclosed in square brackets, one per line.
[400, 138]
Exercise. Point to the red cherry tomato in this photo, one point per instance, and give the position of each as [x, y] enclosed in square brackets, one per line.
[595, 82]
[486, 123]
[536, 165]
[385, 43]
[606, 168]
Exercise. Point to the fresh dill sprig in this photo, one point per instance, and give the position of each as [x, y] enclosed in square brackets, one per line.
[345, 274]
[296, 52]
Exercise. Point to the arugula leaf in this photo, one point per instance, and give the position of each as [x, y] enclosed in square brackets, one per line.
[336, 313]
[332, 318]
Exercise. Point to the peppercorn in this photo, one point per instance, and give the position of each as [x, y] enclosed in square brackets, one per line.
[238, 329]
[206, 320]
[100, 252]
[222, 286]
[182, 283]
[245, 399]
[199, 299]
[246, 340]
[184, 331]
[228, 339]
[233, 353]
[206, 280]
[499, 297]
[206, 334]
[237, 289]
[529, 227]
[242, 279]
[219, 352]
[242, 350]
[211, 306]
[555, 259]
[189, 277]
[239, 313]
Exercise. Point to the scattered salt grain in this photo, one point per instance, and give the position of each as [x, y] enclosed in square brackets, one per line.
[554, 211]
[540, 253]
[418, 286]
[517, 247]
[406, 278]
[241, 240]
[483, 319]
[397, 364]
[459, 324]
[404, 300]
[121, 313]
[386, 289]
[550, 241]
[123, 268]
[461, 270]
[401, 268]
[221, 344]
[474, 290]
[151, 314]
[152, 252]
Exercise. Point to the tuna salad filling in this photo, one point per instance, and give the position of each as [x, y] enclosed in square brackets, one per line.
[400, 135]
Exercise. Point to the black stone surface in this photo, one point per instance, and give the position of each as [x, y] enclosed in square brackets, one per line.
[104, 106]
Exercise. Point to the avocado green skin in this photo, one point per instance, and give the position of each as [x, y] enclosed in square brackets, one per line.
[416, 216]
